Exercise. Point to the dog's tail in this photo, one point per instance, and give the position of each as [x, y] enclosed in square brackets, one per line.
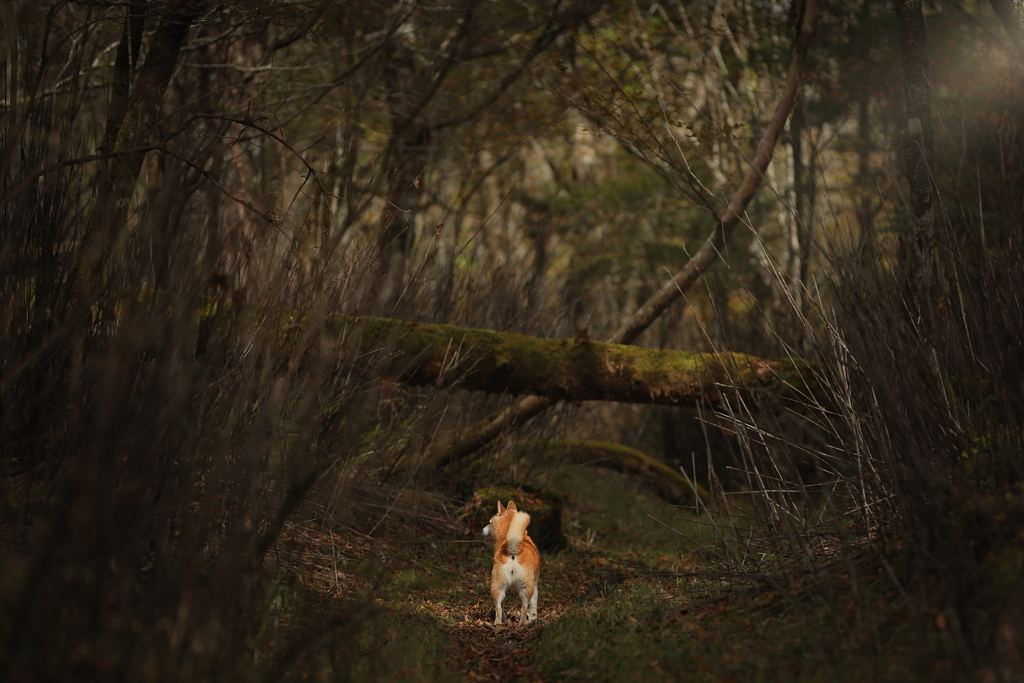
[516, 532]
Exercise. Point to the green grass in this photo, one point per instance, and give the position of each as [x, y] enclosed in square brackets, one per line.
[392, 645]
[846, 622]
[635, 599]
[644, 632]
[628, 523]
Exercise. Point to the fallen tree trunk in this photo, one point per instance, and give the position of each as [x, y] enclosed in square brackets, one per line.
[565, 369]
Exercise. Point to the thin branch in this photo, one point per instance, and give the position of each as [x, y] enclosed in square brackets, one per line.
[487, 430]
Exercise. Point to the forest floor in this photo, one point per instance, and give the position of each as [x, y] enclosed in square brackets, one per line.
[633, 598]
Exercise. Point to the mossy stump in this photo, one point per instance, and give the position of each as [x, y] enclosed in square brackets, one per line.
[544, 507]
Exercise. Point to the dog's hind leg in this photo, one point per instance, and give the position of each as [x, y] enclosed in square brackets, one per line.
[499, 596]
[533, 602]
[526, 604]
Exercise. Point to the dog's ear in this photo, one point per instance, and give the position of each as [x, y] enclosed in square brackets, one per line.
[500, 508]
[511, 506]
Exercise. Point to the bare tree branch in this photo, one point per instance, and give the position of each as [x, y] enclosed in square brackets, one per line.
[484, 432]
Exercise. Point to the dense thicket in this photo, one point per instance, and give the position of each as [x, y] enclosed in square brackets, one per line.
[193, 195]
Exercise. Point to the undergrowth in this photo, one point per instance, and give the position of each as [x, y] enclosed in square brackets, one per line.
[200, 482]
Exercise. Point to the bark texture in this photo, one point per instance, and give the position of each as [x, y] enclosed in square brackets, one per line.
[564, 369]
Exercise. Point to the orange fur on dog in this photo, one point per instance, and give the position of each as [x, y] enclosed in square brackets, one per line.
[516, 561]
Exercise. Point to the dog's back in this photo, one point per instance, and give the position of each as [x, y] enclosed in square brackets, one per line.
[516, 561]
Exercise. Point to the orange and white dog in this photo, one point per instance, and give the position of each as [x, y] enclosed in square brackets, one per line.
[516, 561]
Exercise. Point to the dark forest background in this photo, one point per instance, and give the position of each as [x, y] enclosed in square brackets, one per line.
[218, 219]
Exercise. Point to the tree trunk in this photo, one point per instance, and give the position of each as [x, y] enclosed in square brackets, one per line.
[798, 225]
[670, 485]
[118, 174]
[565, 369]
[918, 144]
[865, 205]
[1011, 14]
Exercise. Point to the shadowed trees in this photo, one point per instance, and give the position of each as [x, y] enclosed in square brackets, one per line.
[292, 158]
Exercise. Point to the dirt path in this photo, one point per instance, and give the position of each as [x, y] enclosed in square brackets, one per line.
[484, 651]
[452, 594]
[488, 652]
[443, 577]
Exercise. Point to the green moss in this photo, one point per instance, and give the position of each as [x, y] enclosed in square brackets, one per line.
[561, 369]
[662, 479]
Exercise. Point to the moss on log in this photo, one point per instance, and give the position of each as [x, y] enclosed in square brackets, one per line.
[565, 369]
[670, 485]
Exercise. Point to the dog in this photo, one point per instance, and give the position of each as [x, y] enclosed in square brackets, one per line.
[516, 561]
